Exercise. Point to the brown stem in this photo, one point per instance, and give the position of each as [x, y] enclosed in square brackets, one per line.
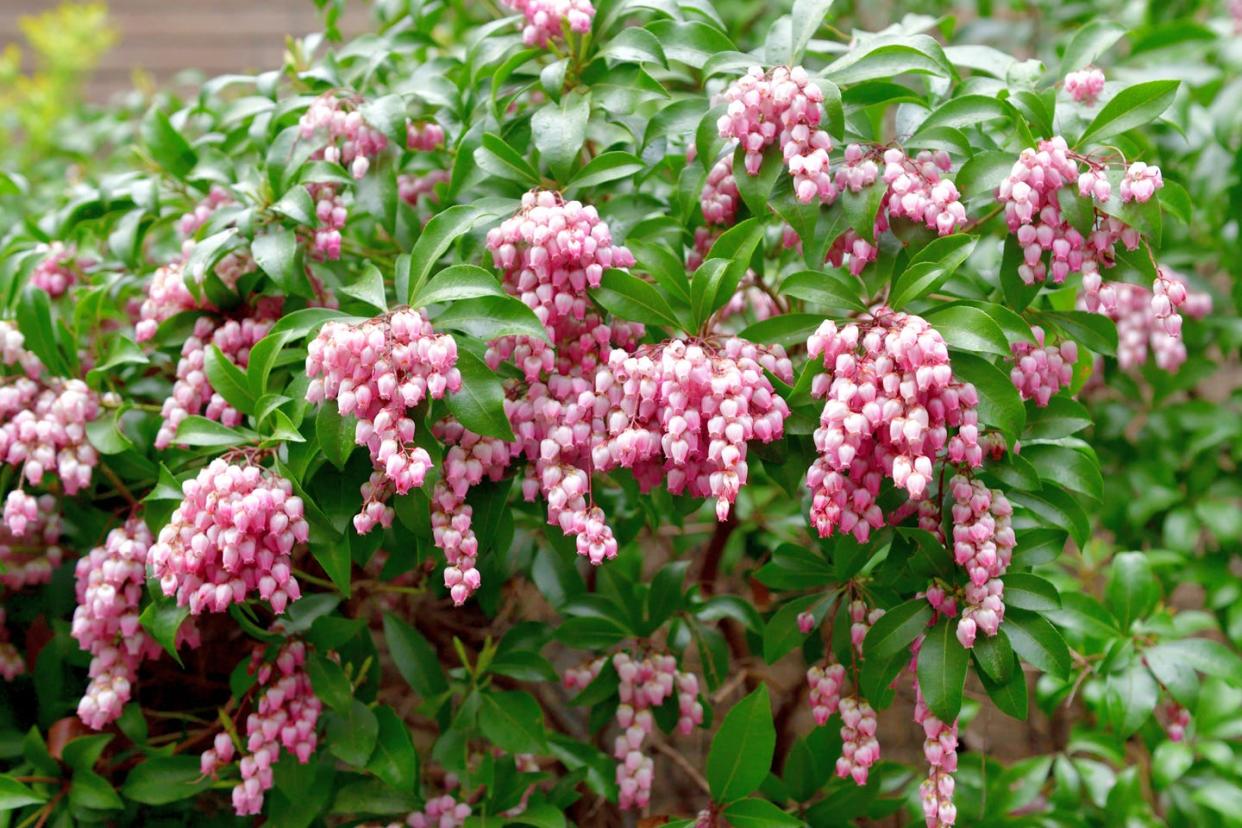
[715, 550]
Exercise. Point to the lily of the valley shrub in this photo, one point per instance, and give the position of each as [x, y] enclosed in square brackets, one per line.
[551, 412]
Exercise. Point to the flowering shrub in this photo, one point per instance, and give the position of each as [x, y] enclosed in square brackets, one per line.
[555, 412]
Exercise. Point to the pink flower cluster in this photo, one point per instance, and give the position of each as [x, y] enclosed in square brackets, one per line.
[782, 106]
[440, 812]
[1139, 327]
[720, 197]
[859, 747]
[348, 139]
[1177, 720]
[110, 583]
[469, 459]
[232, 535]
[983, 542]
[940, 750]
[1031, 197]
[168, 295]
[376, 371]
[1085, 85]
[891, 399]
[13, 350]
[28, 558]
[1141, 182]
[825, 684]
[194, 220]
[645, 685]
[285, 717]
[192, 393]
[413, 188]
[918, 191]
[550, 252]
[425, 137]
[43, 429]
[1040, 370]
[684, 412]
[12, 664]
[57, 270]
[546, 19]
[861, 621]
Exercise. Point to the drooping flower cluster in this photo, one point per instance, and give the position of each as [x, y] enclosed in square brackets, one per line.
[469, 459]
[58, 268]
[43, 429]
[1140, 328]
[720, 197]
[861, 621]
[192, 393]
[918, 191]
[13, 350]
[644, 686]
[1033, 211]
[194, 220]
[440, 812]
[284, 718]
[825, 684]
[940, 751]
[983, 542]
[28, 558]
[1177, 719]
[891, 399]
[546, 19]
[232, 535]
[1141, 182]
[859, 747]
[425, 137]
[782, 106]
[110, 583]
[549, 253]
[377, 371]
[413, 188]
[1085, 85]
[1040, 370]
[168, 294]
[683, 412]
[12, 664]
[347, 138]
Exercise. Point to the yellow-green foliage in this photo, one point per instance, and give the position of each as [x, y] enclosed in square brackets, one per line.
[65, 45]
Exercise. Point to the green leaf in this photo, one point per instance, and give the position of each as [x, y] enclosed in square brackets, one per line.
[480, 402]
[861, 208]
[395, 760]
[942, 670]
[1130, 697]
[759, 813]
[999, 403]
[200, 431]
[994, 655]
[635, 45]
[1091, 330]
[1203, 654]
[330, 683]
[558, 130]
[1056, 510]
[1009, 696]
[1131, 107]
[785, 330]
[983, 172]
[1060, 418]
[1169, 762]
[781, 633]
[1132, 590]
[298, 205]
[228, 380]
[756, 190]
[276, 254]
[368, 288]
[489, 317]
[435, 240]
[34, 320]
[608, 166]
[691, 43]
[161, 618]
[335, 433]
[166, 146]
[513, 721]
[89, 790]
[462, 281]
[631, 298]
[969, 329]
[333, 555]
[164, 779]
[1076, 470]
[741, 752]
[83, 752]
[807, 16]
[14, 795]
[881, 57]
[823, 288]
[1089, 43]
[1030, 592]
[931, 267]
[106, 436]
[964, 111]
[1035, 639]
[896, 629]
[664, 266]
[351, 735]
[498, 158]
[415, 658]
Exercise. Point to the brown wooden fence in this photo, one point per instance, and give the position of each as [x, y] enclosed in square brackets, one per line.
[164, 37]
